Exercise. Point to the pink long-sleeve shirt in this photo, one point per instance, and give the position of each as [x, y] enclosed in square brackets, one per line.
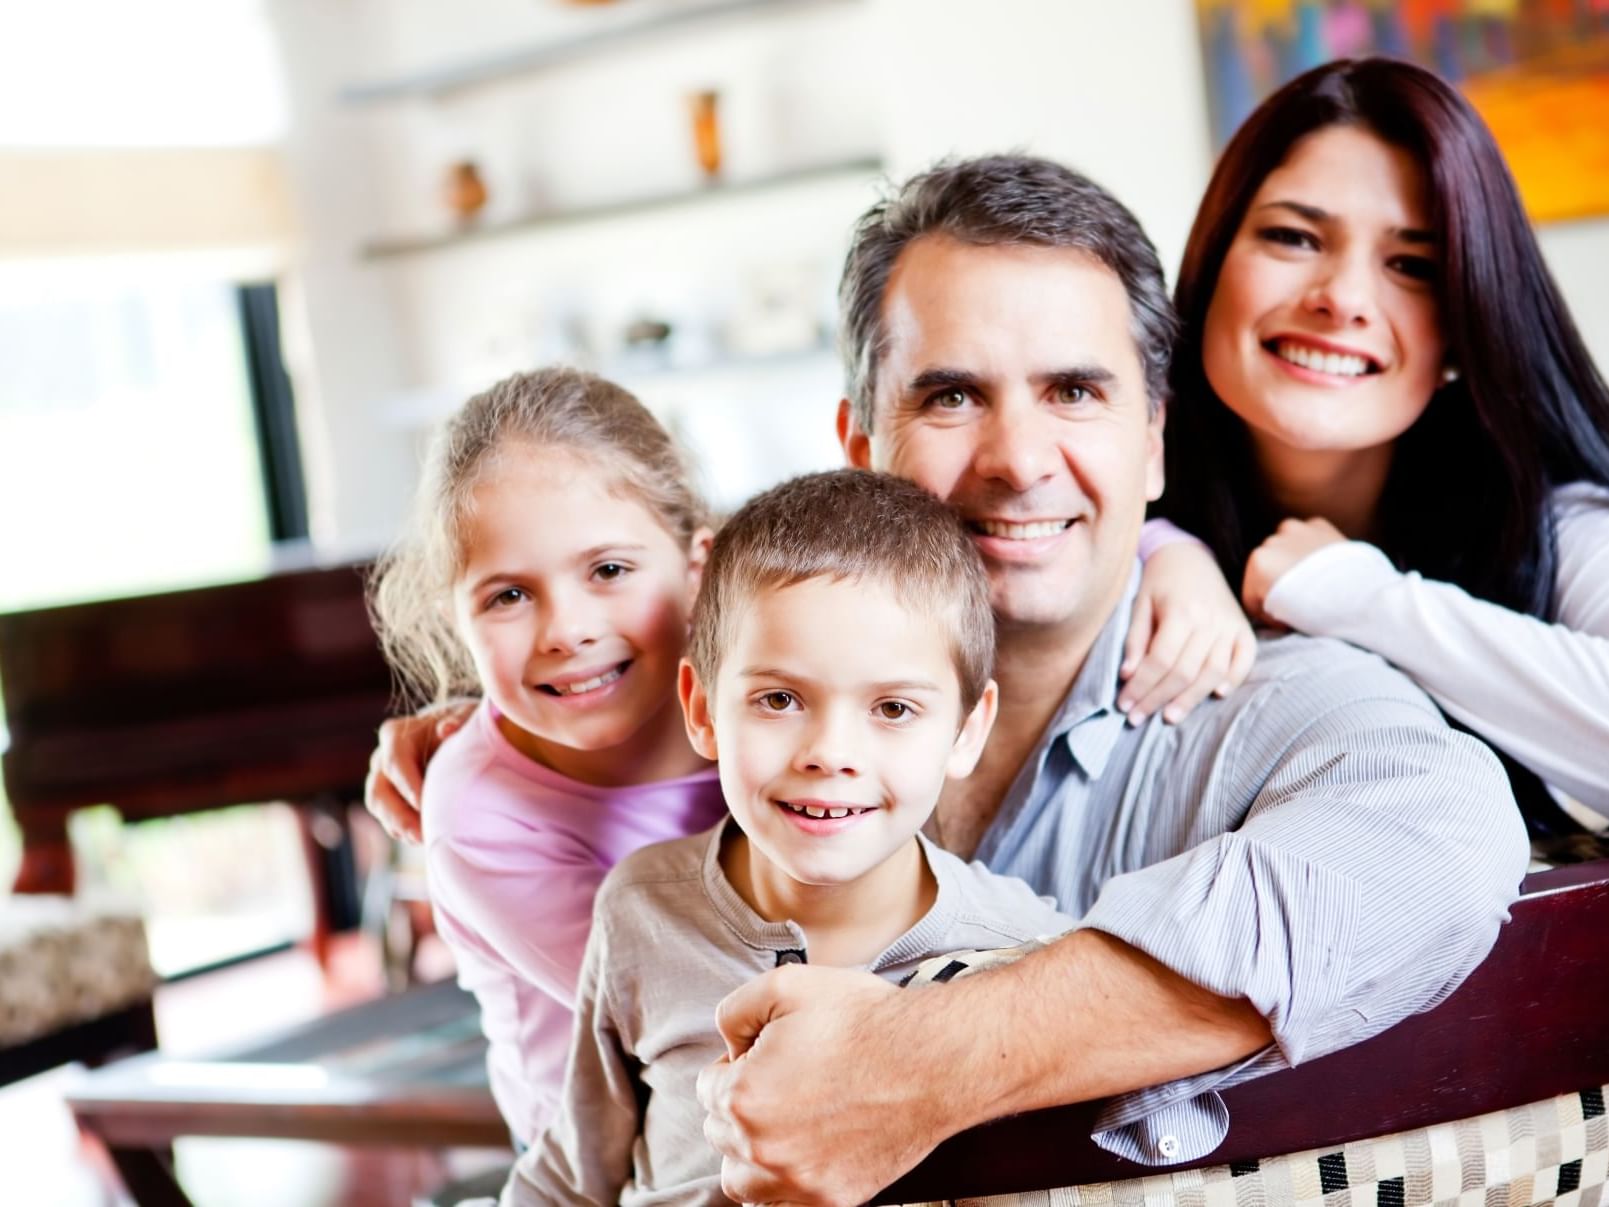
[515, 853]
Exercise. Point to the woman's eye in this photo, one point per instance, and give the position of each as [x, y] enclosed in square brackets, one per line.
[778, 701]
[894, 710]
[1417, 268]
[1287, 236]
[609, 571]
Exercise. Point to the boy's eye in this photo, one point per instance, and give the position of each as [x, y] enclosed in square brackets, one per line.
[895, 710]
[609, 571]
[777, 701]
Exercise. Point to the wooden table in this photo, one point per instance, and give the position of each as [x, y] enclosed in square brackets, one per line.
[408, 1070]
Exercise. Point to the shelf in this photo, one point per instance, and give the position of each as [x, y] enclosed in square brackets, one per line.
[470, 73]
[387, 248]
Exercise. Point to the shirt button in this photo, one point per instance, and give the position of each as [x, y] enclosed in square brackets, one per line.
[1168, 1146]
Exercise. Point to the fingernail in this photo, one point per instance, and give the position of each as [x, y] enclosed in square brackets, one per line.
[1172, 715]
[1136, 718]
[1124, 704]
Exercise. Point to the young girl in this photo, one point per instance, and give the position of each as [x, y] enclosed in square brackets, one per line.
[551, 568]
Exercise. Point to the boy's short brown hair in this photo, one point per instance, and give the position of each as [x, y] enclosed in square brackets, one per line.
[855, 525]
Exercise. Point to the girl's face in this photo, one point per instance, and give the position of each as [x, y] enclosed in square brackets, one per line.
[1323, 333]
[573, 601]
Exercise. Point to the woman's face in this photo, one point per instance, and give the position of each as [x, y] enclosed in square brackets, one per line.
[1323, 333]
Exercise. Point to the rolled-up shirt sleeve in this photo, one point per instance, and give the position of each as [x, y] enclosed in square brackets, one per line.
[1368, 879]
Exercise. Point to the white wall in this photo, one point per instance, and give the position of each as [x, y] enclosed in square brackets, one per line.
[1115, 90]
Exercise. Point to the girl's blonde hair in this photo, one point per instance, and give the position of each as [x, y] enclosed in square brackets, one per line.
[411, 584]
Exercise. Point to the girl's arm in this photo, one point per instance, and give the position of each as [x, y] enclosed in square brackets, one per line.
[527, 894]
[1536, 690]
[584, 1155]
[1187, 636]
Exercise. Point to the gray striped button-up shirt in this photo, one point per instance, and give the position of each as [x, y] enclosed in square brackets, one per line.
[1320, 843]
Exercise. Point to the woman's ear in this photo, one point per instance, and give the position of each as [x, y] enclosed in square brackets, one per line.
[698, 556]
[974, 733]
[696, 710]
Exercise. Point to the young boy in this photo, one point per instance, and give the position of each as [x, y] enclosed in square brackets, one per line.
[839, 670]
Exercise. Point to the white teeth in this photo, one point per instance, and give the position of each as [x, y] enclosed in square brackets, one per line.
[1336, 364]
[822, 811]
[814, 811]
[1021, 532]
[575, 689]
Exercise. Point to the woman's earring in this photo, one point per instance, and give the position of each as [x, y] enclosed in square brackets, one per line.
[1449, 375]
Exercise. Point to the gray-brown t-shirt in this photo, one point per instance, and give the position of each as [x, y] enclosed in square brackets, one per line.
[670, 939]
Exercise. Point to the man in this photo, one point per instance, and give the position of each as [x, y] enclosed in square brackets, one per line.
[1285, 872]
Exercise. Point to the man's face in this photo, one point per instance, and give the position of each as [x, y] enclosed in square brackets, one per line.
[1011, 387]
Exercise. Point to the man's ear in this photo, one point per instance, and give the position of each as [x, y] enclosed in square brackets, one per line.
[852, 438]
[1155, 479]
[695, 710]
[698, 556]
[974, 733]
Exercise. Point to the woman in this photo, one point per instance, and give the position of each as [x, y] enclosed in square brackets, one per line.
[1385, 423]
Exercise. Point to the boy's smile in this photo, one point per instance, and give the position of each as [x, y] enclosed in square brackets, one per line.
[837, 718]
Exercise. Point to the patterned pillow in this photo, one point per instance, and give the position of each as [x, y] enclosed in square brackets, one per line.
[64, 960]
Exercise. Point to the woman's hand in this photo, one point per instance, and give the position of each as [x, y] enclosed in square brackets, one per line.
[1292, 541]
[1187, 637]
[397, 766]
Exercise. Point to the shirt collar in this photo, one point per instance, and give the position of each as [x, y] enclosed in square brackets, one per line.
[1088, 720]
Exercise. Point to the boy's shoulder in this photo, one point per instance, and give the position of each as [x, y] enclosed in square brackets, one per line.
[661, 869]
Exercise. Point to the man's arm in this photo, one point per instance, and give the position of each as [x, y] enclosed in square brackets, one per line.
[1086, 1017]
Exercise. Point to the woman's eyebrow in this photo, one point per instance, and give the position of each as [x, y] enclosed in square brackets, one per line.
[1316, 215]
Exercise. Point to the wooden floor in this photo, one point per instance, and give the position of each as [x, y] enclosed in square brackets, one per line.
[44, 1161]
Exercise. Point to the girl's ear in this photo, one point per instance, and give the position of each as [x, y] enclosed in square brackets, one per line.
[696, 710]
[698, 556]
[974, 733]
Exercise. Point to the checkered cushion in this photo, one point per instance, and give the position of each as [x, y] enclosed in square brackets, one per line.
[64, 960]
[1556, 1151]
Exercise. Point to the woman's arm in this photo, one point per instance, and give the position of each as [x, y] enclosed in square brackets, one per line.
[1536, 690]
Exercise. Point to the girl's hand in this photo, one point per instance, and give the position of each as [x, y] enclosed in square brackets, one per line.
[1292, 541]
[1187, 636]
[397, 767]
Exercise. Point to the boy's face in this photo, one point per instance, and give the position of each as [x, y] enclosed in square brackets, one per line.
[836, 717]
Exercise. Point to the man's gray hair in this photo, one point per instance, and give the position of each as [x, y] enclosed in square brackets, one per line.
[999, 199]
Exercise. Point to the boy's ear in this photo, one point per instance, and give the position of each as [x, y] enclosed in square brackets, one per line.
[698, 556]
[695, 710]
[974, 733]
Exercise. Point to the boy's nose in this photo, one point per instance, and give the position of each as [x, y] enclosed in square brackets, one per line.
[829, 748]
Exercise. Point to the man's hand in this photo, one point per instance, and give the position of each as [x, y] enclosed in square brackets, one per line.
[397, 767]
[811, 1104]
[1187, 636]
[1292, 541]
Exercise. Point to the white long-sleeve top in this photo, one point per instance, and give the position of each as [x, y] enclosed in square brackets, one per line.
[1536, 690]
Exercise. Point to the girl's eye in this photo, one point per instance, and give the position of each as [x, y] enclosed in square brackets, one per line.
[508, 597]
[1288, 236]
[1416, 268]
[895, 710]
[777, 701]
[609, 571]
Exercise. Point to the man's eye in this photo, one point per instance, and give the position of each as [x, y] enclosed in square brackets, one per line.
[777, 701]
[948, 400]
[1073, 393]
[609, 571]
[894, 710]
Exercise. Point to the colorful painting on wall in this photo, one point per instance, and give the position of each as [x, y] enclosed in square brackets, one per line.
[1537, 70]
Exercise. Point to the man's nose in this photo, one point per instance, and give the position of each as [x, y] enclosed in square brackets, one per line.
[1012, 447]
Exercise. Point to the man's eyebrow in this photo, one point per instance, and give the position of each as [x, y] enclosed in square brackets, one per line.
[1314, 214]
[938, 379]
[1079, 375]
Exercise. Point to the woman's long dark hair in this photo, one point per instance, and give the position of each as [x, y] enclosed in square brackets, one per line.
[1466, 500]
